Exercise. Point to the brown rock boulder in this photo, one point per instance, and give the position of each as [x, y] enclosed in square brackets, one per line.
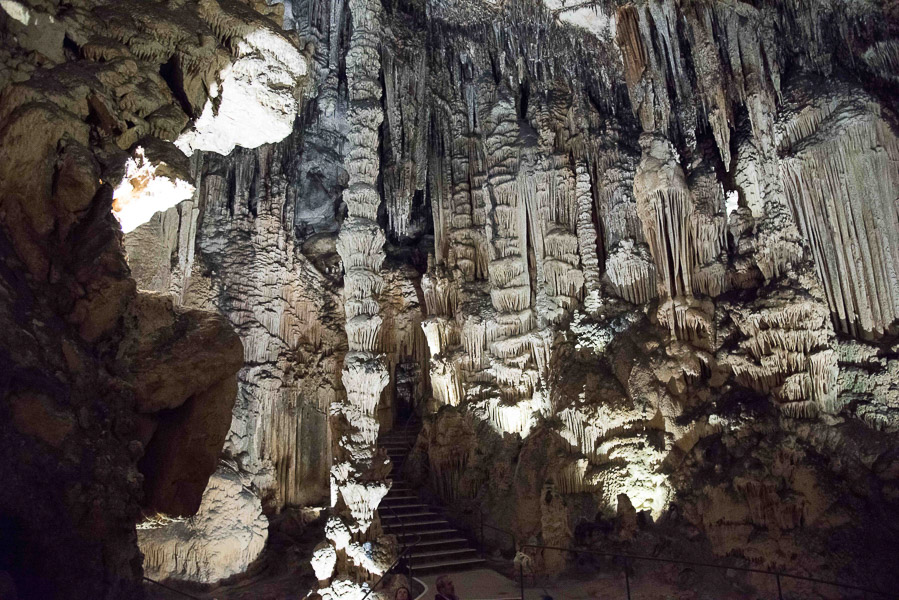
[183, 365]
[184, 450]
[171, 354]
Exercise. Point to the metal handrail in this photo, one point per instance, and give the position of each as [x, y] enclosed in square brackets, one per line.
[391, 567]
[393, 512]
[406, 427]
[627, 557]
[171, 589]
[484, 525]
[397, 517]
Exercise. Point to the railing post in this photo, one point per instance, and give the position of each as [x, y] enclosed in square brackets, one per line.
[780, 595]
[521, 578]
[627, 578]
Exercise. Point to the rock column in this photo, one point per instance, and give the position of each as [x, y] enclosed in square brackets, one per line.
[357, 478]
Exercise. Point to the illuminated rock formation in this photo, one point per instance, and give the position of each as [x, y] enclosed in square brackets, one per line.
[634, 264]
[358, 476]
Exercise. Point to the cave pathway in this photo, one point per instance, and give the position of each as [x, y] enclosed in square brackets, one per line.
[441, 548]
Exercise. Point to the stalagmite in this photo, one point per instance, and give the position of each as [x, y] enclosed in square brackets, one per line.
[587, 239]
[356, 472]
[228, 536]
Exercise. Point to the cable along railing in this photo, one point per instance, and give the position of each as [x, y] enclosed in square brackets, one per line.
[779, 576]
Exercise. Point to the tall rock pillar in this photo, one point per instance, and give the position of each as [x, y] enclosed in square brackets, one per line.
[358, 477]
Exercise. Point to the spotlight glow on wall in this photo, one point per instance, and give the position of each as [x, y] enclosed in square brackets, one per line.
[143, 193]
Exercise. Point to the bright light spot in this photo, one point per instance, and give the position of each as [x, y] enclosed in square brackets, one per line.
[17, 11]
[634, 468]
[590, 17]
[323, 561]
[731, 202]
[257, 100]
[520, 417]
[142, 193]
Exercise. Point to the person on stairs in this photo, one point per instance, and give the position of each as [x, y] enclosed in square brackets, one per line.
[445, 589]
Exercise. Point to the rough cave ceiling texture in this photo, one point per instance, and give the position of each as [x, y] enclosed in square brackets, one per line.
[622, 256]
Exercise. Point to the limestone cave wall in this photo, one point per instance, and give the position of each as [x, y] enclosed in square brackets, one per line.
[633, 263]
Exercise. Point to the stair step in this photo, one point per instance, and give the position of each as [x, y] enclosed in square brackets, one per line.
[416, 525]
[423, 528]
[410, 516]
[431, 534]
[446, 542]
[404, 498]
[447, 565]
[402, 511]
[425, 556]
[404, 507]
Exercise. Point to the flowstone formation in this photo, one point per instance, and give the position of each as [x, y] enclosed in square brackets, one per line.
[659, 236]
[634, 263]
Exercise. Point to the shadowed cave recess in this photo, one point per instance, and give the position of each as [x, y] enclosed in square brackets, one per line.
[628, 270]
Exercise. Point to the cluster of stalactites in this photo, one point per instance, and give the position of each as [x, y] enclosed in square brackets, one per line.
[665, 206]
[728, 59]
[521, 223]
[406, 115]
[787, 352]
[686, 233]
[841, 176]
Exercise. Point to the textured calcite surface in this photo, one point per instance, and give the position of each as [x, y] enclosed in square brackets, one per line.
[116, 400]
[634, 263]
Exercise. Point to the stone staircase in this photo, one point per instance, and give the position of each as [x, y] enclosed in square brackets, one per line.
[441, 548]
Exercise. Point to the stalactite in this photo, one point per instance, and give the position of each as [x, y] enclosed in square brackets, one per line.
[665, 207]
[838, 149]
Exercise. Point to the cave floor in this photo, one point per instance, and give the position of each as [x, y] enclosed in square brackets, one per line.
[656, 584]
[261, 588]
[486, 584]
